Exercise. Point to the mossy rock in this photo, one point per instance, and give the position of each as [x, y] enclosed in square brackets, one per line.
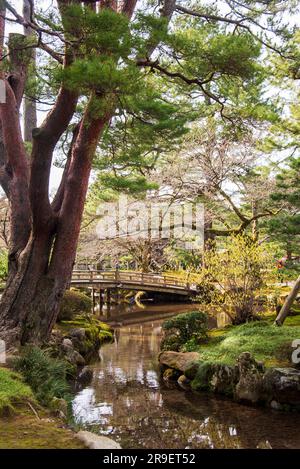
[202, 380]
[95, 334]
[73, 304]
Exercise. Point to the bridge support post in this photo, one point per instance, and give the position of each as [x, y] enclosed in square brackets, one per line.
[108, 301]
[100, 301]
[93, 300]
[117, 296]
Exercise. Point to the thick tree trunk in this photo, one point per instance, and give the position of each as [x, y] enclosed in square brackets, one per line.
[25, 315]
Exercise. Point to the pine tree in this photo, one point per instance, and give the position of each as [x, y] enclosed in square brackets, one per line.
[123, 65]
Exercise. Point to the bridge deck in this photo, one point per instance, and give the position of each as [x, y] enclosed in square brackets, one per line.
[127, 280]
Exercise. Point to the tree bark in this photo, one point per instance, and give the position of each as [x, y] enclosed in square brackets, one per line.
[283, 313]
[30, 113]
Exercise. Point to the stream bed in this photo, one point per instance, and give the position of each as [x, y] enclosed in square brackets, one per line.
[127, 401]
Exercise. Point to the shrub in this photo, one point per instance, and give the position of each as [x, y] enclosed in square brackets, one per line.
[183, 328]
[46, 376]
[73, 303]
[240, 273]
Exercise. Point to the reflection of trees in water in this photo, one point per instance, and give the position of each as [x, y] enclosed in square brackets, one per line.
[126, 400]
[249, 427]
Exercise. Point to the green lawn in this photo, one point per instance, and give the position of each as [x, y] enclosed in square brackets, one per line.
[266, 342]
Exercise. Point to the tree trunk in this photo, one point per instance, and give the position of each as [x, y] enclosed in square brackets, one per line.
[255, 232]
[288, 251]
[288, 303]
[30, 114]
[25, 314]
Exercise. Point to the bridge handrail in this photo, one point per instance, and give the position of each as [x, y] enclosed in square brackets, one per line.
[119, 275]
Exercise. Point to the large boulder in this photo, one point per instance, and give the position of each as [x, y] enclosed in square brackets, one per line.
[178, 360]
[224, 379]
[250, 385]
[282, 387]
[213, 377]
[72, 356]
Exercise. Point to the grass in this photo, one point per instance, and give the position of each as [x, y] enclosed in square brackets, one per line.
[13, 391]
[266, 342]
[46, 376]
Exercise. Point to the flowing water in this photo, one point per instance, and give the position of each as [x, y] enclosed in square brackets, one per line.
[128, 402]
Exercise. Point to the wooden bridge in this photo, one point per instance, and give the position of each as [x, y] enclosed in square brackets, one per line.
[127, 280]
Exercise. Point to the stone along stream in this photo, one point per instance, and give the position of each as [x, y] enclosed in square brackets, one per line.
[127, 401]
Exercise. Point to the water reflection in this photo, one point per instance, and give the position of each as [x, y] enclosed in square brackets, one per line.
[127, 401]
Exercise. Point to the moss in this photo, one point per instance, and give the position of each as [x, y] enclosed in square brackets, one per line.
[201, 381]
[262, 339]
[105, 336]
[73, 304]
[96, 333]
[13, 391]
[25, 431]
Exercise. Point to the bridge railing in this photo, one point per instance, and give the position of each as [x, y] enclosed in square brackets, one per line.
[130, 277]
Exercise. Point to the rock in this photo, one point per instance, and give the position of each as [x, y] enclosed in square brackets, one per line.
[85, 376]
[264, 445]
[192, 370]
[223, 379]
[201, 381]
[78, 338]
[78, 332]
[184, 382]
[275, 405]
[250, 385]
[74, 357]
[282, 385]
[170, 375]
[178, 360]
[67, 343]
[93, 441]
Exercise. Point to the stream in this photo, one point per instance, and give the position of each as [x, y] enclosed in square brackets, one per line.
[127, 401]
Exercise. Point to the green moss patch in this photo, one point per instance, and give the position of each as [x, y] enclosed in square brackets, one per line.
[266, 342]
[96, 333]
[13, 391]
[25, 431]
